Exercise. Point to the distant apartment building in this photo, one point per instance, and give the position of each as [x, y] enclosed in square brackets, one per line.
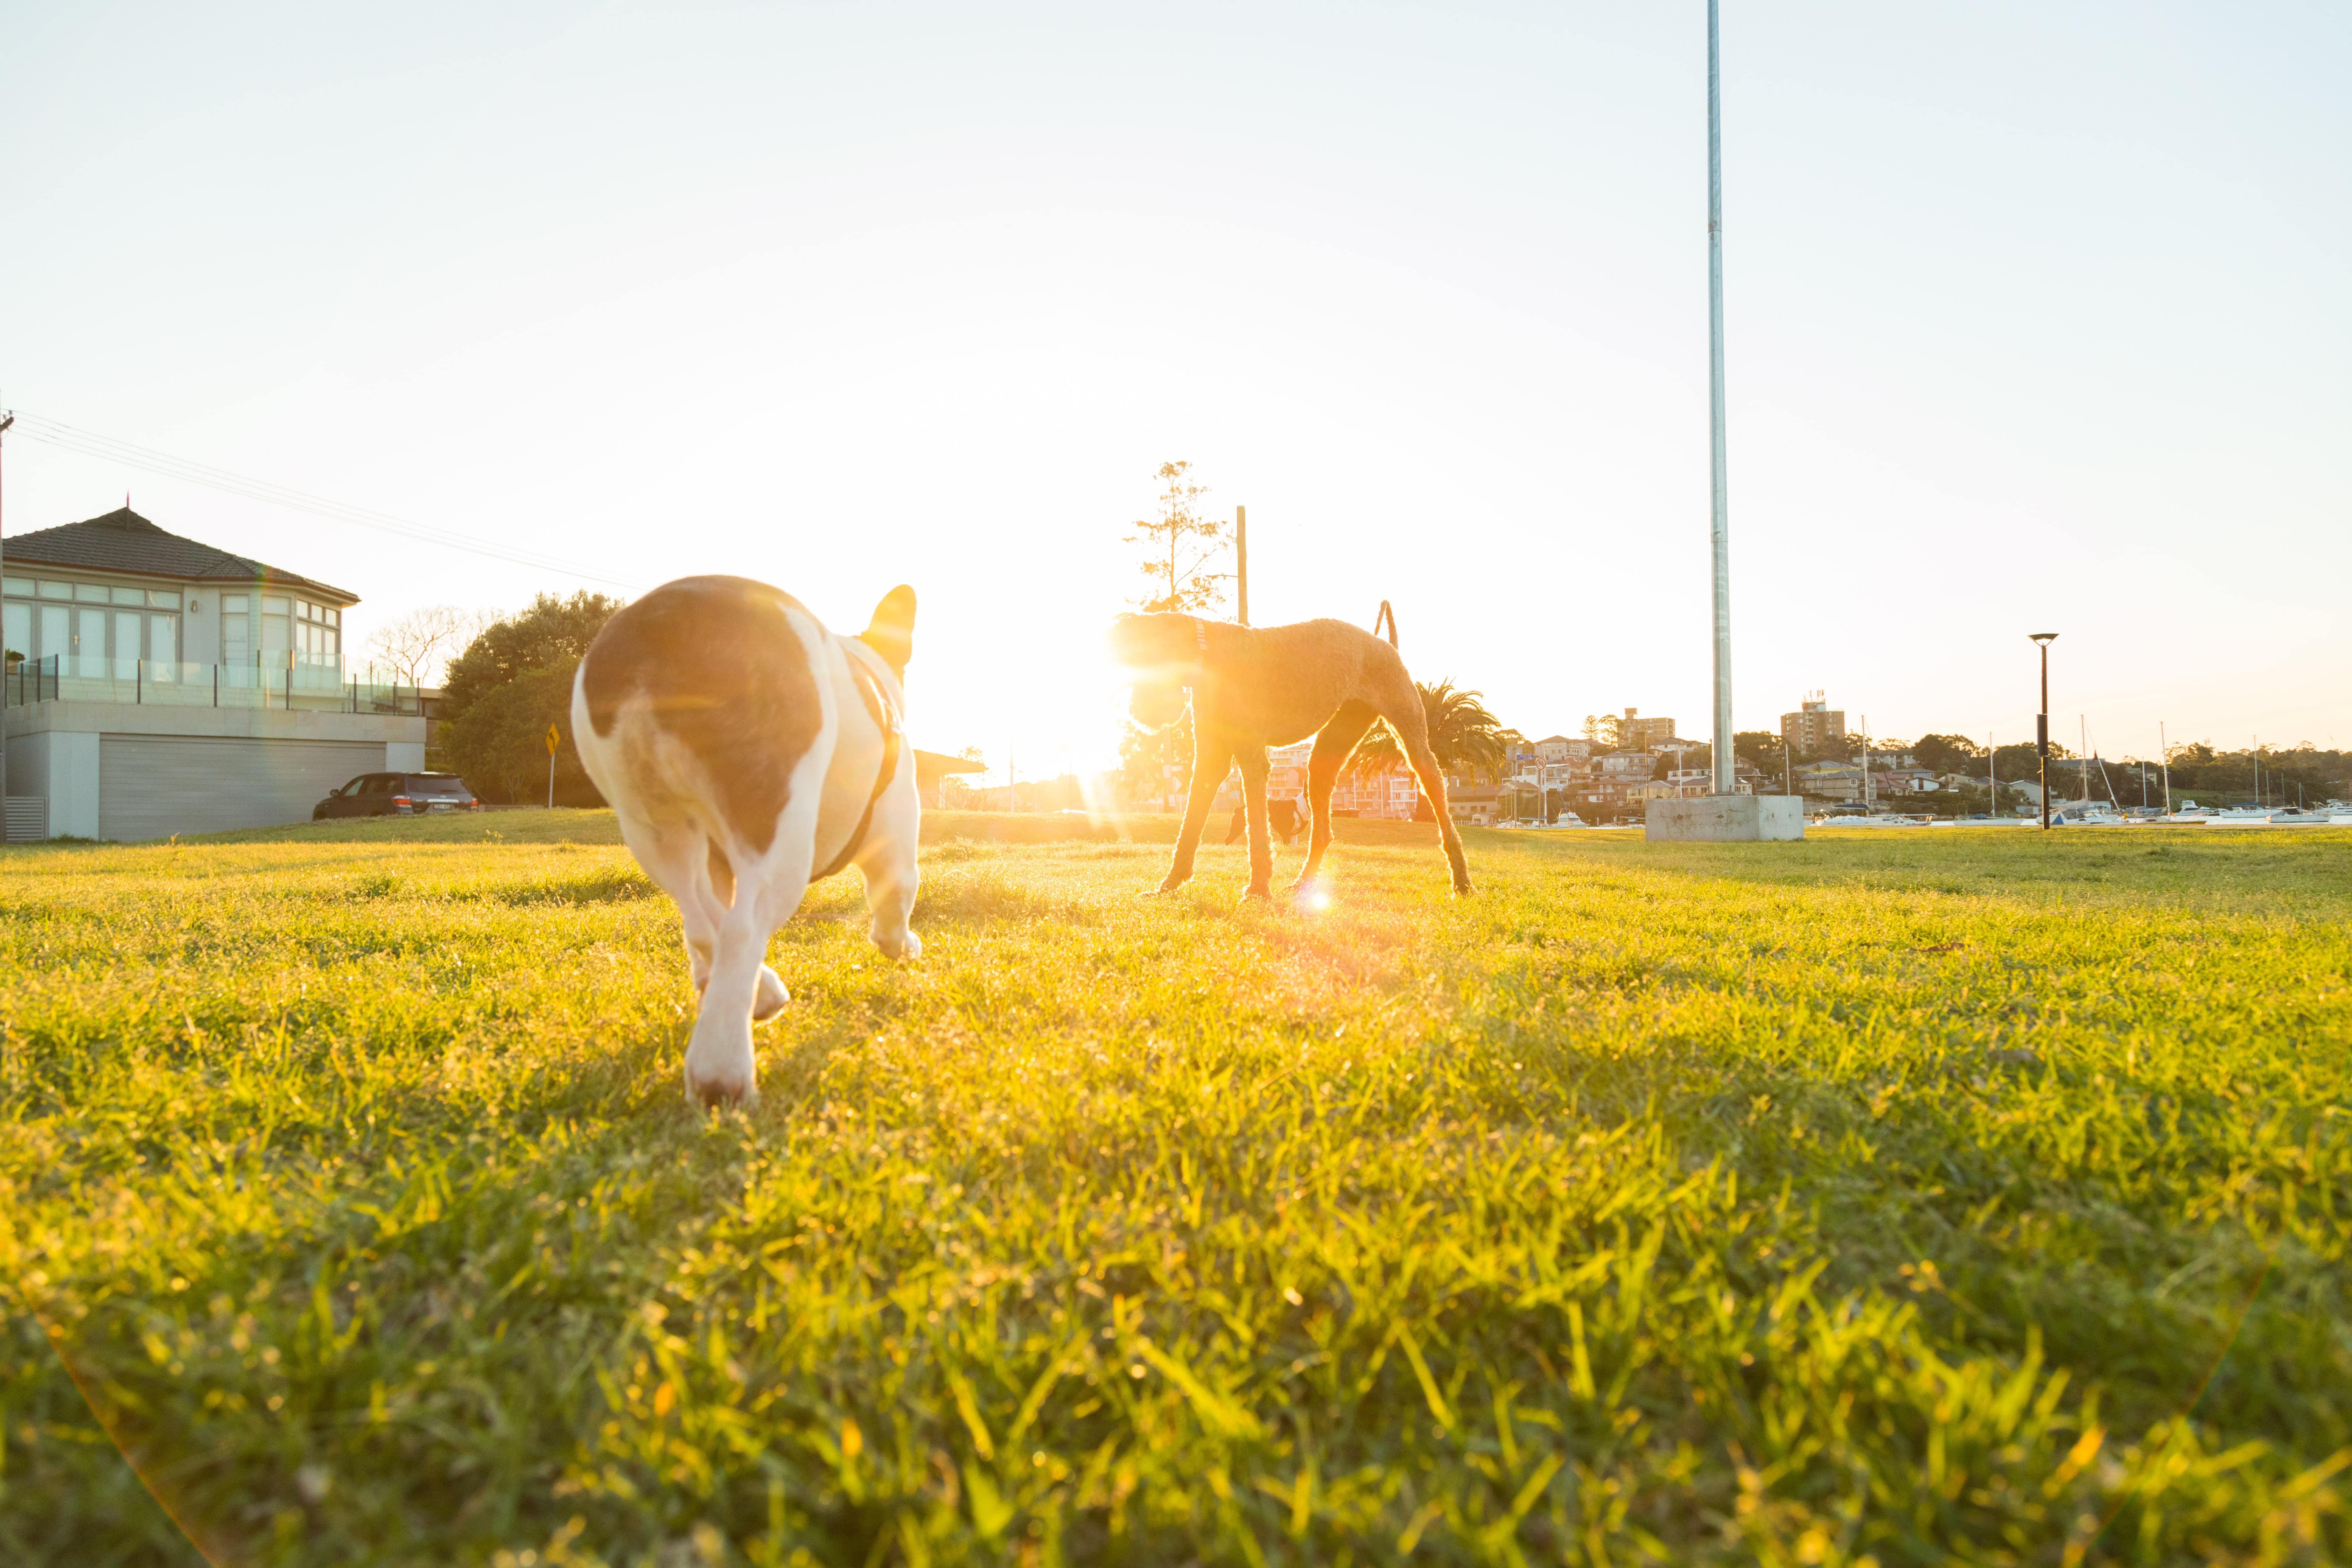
[1563, 749]
[1814, 725]
[1472, 806]
[1830, 781]
[1389, 793]
[1642, 735]
[1620, 764]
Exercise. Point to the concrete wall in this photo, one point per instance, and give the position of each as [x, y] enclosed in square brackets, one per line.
[62, 765]
[53, 747]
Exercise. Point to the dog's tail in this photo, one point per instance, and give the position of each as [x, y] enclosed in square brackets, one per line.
[1389, 615]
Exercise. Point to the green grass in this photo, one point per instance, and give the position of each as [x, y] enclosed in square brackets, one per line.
[1969, 1197]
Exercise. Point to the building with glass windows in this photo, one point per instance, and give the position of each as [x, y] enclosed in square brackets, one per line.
[156, 684]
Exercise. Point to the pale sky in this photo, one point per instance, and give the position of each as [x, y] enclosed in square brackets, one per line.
[2038, 321]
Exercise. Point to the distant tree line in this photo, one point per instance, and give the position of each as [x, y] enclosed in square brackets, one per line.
[512, 682]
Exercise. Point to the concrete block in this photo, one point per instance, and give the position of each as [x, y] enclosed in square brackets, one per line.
[1725, 819]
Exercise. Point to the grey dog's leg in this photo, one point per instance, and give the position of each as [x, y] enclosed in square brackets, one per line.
[1253, 771]
[1433, 785]
[1333, 745]
[1208, 771]
[1401, 708]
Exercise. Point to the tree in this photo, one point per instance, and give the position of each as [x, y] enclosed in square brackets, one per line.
[513, 680]
[1462, 734]
[416, 649]
[1610, 728]
[1947, 754]
[1592, 728]
[1174, 553]
[1762, 747]
[1144, 754]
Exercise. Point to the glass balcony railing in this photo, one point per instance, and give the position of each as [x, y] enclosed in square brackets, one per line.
[288, 684]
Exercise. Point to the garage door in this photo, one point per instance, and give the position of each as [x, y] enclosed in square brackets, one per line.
[150, 787]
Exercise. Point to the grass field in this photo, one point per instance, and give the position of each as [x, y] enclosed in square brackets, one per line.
[1923, 1197]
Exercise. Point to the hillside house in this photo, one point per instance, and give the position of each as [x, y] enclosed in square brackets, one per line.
[157, 685]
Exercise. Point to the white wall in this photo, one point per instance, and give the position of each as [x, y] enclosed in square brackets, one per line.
[199, 627]
[403, 756]
[62, 765]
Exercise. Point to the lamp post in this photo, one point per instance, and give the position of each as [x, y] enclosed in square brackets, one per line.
[2041, 722]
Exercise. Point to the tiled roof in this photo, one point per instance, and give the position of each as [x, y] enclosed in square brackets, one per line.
[122, 541]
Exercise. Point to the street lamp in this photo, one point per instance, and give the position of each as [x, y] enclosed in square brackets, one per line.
[2041, 722]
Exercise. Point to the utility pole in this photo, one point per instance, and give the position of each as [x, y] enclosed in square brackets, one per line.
[2041, 722]
[1869, 796]
[2164, 748]
[1721, 531]
[1241, 560]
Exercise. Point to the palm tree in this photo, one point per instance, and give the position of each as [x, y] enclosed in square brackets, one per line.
[1462, 734]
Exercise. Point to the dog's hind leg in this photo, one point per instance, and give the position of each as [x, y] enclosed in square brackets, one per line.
[1433, 785]
[1209, 759]
[1334, 744]
[719, 1064]
[1401, 709]
[681, 862]
[1253, 771]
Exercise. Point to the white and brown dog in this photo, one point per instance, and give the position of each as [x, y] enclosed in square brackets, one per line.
[748, 752]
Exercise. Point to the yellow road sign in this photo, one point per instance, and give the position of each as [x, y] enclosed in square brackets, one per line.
[553, 737]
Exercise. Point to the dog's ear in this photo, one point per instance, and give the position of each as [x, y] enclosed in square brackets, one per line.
[892, 632]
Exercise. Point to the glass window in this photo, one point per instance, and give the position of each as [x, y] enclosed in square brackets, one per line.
[273, 605]
[56, 590]
[55, 639]
[275, 630]
[129, 595]
[164, 638]
[164, 598]
[16, 630]
[89, 593]
[90, 642]
[334, 617]
[128, 625]
[22, 585]
[233, 603]
[236, 637]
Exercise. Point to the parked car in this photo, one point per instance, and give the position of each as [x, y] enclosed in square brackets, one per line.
[398, 794]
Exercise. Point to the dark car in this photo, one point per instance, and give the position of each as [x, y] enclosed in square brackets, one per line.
[398, 794]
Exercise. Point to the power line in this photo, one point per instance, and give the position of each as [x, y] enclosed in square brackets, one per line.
[90, 444]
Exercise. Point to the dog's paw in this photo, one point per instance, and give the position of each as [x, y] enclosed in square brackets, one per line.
[1256, 895]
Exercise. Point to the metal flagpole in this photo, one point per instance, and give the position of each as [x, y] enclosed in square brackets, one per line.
[1722, 526]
